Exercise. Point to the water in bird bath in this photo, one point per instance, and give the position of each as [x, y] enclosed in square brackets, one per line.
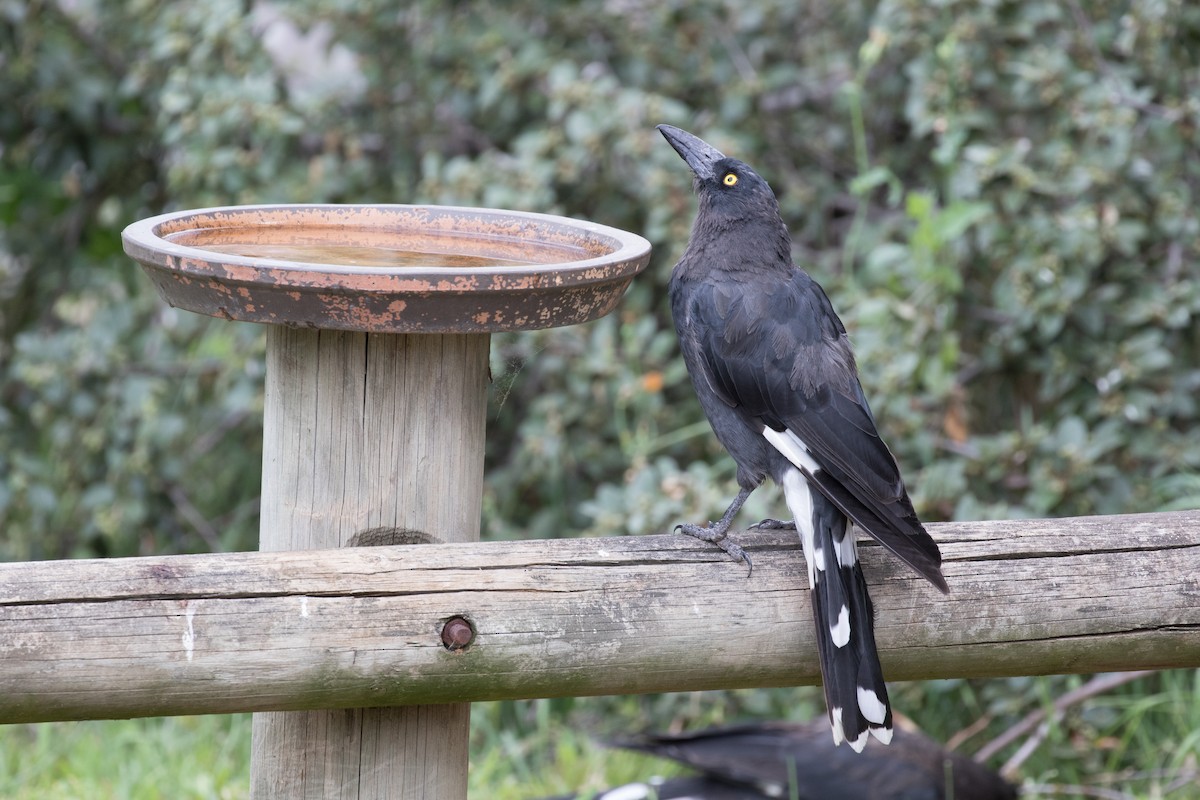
[371, 248]
[358, 256]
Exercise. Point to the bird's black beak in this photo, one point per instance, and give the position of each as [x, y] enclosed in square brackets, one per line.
[699, 154]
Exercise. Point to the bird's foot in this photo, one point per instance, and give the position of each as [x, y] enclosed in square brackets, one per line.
[716, 534]
[774, 525]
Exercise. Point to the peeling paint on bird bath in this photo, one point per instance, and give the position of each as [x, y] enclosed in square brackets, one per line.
[376, 390]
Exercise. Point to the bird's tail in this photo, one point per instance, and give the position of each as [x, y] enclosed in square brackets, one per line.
[855, 693]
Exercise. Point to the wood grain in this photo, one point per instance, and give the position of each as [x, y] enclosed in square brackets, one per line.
[364, 432]
[361, 626]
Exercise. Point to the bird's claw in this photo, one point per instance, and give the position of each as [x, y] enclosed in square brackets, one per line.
[715, 535]
[738, 554]
[774, 525]
[706, 533]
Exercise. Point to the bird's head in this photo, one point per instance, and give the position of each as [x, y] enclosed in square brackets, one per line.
[728, 190]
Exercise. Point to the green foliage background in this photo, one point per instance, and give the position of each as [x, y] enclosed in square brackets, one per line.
[1001, 198]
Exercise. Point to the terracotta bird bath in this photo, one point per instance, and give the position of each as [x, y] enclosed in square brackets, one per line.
[387, 269]
[376, 386]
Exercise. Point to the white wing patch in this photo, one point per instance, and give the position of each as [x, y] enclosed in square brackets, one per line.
[819, 558]
[798, 496]
[841, 632]
[847, 550]
[835, 720]
[632, 791]
[870, 706]
[792, 448]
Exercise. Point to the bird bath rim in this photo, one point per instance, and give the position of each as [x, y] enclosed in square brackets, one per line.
[567, 270]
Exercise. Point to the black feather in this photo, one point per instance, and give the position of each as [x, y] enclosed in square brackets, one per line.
[797, 760]
[813, 390]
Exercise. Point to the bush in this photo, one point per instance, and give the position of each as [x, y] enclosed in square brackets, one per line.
[1000, 198]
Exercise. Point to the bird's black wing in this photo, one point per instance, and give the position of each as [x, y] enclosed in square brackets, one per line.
[781, 759]
[778, 351]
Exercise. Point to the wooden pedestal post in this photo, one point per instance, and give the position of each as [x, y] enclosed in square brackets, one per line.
[366, 431]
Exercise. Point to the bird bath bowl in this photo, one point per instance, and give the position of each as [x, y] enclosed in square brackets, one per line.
[387, 268]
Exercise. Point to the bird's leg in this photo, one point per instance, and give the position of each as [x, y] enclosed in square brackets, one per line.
[774, 525]
[715, 532]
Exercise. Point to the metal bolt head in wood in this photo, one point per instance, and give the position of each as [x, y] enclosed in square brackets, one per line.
[376, 389]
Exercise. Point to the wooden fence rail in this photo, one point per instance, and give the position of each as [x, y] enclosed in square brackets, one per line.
[364, 626]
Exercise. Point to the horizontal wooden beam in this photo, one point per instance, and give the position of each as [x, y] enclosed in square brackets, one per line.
[363, 626]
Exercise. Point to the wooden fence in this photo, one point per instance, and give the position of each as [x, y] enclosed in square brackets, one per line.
[441, 623]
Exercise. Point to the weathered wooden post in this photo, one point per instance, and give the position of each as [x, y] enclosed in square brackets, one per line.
[376, 388]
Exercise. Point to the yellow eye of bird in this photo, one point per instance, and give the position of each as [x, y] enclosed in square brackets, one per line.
[730, 179]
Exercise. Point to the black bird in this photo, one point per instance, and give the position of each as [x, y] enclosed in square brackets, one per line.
[774, 760]
[775, 375]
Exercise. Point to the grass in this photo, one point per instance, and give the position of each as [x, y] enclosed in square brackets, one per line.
[1140, 741]
[146, 759]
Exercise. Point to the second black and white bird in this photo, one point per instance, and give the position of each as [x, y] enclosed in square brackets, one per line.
[773, 369]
